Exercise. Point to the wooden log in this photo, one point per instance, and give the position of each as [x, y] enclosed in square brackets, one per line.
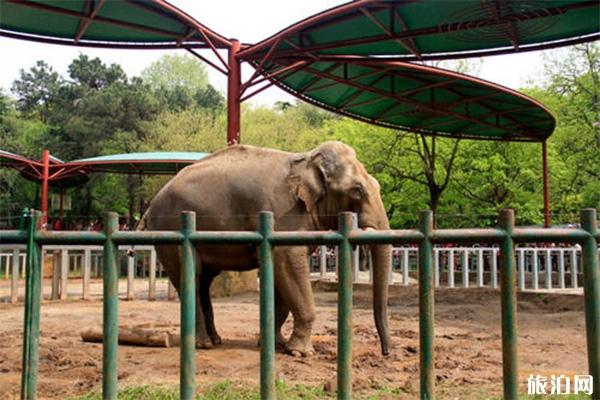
[135, 337]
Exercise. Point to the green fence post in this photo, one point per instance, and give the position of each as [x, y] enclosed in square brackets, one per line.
[187, 296]
[426, 313]
[591, 288]
[267, 310]
[31, 335]
[508, 291]
[344, 345]
[110, 340]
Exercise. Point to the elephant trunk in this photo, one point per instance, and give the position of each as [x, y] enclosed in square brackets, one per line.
[382, 263]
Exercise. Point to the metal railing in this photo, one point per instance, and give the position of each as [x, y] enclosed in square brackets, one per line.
[453, 267]
[265, 238]
[84, 262]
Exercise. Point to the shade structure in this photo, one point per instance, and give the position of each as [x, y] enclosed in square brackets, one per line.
[418, 98]
[73, 173]
[105, 23]
[34, 170]
[434, 29]
[152, 163]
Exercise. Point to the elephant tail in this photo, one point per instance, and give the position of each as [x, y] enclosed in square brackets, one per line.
[140, 226]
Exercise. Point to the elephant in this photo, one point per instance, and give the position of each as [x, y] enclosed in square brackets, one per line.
[305, 191]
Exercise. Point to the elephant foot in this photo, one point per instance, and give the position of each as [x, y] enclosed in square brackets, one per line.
[204, 343]
[280, 343]
[298, 347]
[215, 339]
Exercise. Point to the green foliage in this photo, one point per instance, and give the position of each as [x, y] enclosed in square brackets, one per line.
[37, 89]
[98, 110]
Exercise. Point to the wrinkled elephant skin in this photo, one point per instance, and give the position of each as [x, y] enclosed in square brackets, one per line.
[305, 191]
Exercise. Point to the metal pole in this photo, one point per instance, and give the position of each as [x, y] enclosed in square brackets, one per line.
[14, 283]
[561, 269]
[152, 280]
[233, 94]
[405, 267]
[521, 269]
[426, 316]
[110, 303]
[322, 261]
[480, 268]
[267, 310]
[344, 345]
[451, 269]
[509, 306]
[574, 283]
[436, 267]
[64, 274]
[87, 261]
[494, 269]
[31, 334]
[45, 175]
[465, 268]
[130, 276]
[591, 289]
[534, 270]
[548, 269]
[187, 295]
[545, 181]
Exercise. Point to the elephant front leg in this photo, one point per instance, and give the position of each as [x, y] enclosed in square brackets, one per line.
[292, 279]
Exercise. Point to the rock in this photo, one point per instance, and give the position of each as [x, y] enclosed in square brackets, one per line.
[228, 283]
[331, 385]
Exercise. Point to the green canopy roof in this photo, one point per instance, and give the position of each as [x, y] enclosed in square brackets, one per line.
[152, 163]
[74, 173]
[435, 29]
[105, 23]
[417, 98]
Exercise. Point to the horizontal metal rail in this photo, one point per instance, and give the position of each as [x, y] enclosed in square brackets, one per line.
[505, 236]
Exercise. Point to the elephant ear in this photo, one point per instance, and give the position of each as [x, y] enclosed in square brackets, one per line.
[306, 180]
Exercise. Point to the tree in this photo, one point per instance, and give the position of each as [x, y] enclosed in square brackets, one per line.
[36, 90]
[178, 80]
[572, 93]
[94, 74]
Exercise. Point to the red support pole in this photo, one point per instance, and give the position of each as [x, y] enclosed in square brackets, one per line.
[45, 174]
[233, 95]
[545, 179]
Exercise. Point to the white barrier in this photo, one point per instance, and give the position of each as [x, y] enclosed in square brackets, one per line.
[477, 266]
[86, 261]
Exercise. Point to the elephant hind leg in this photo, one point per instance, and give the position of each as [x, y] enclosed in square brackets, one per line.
[170, 258]
[205, 280]
[281, 313]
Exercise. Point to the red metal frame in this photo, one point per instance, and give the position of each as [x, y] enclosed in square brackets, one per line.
[45, 178]
[297, 58]
[233, 94]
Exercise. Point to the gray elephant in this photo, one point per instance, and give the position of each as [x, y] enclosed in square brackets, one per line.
[305, 191]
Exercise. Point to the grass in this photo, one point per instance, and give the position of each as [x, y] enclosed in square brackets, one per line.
[225, 390]
[228, 390]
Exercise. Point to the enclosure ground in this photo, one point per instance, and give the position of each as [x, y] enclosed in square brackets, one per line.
[467, 345]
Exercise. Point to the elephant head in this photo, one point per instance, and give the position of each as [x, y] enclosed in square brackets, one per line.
[329, 180]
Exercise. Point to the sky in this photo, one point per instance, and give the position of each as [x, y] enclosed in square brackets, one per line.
[247, 21]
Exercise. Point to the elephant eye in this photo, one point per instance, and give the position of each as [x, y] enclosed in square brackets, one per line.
[356, 192]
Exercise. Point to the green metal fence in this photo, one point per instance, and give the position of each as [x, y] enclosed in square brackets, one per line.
[506, 235]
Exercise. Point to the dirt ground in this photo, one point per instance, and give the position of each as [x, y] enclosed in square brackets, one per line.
[467, 344]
